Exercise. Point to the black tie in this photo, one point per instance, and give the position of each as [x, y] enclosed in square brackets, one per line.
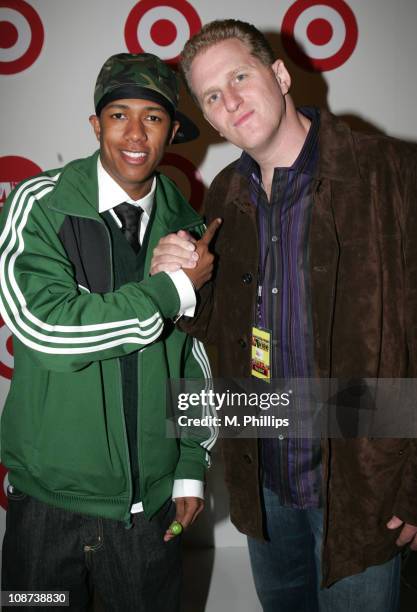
[130, 216]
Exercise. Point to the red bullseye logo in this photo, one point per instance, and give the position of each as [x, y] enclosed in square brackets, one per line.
[319, 35]
[14, 169]
[186, 176]
[21, 36]
[4, 481]
[6, 351]
[161, 27]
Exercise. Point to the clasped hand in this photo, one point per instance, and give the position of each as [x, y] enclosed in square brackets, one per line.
[182, 251]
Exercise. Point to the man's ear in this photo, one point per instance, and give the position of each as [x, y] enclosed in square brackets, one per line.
[95, 124]
[282, 75]
[174, 129]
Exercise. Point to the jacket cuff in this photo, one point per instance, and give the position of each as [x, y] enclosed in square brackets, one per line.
[163, 292]
[192, 467]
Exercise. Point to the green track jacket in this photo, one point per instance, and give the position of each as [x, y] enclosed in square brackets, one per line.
[63, 435]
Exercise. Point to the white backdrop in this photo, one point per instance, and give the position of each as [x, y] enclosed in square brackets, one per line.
[364, 55]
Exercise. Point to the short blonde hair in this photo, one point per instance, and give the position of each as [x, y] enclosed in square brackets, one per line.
[218, 31]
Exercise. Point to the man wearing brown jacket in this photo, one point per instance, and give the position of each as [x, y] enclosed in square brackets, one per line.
[318, 248]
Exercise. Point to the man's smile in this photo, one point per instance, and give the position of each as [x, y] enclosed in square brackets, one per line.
[243, 118]
[134, 157]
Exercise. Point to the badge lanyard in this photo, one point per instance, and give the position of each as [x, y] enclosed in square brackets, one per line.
[261, 337]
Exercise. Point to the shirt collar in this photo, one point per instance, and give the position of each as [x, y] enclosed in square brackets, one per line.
[110, 194]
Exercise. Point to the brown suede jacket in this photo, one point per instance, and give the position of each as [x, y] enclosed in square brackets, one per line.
[363, 266]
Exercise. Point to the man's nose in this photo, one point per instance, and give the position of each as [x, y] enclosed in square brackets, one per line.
[136, 131]
[232, 100]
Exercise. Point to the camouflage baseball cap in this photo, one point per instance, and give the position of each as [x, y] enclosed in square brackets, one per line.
[144, 76]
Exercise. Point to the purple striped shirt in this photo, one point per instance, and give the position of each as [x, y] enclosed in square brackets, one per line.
[291, 467]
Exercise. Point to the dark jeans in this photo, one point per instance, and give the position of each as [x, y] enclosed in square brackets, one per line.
[286, 569]
[46, 548]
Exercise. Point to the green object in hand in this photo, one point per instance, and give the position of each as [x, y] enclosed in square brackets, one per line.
[175, 528]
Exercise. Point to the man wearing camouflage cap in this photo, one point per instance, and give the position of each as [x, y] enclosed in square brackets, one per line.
[92, 473]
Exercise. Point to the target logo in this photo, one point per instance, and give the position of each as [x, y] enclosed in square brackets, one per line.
[186, 176]
[161, 27]
[319, 35]
[4, 483]
[21, 36]
[6, 351]
[14, 169]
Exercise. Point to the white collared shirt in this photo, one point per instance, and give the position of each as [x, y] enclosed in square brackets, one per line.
[110, 194]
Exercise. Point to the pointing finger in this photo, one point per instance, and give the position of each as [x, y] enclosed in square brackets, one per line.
[210, 231]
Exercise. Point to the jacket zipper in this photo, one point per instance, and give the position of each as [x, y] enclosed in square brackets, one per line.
[128, 516]
[138, 429]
